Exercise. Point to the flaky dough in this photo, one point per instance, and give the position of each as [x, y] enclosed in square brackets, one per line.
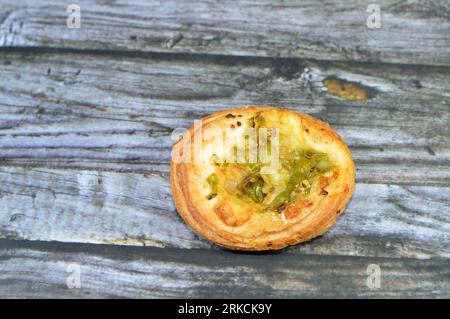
[245, 225]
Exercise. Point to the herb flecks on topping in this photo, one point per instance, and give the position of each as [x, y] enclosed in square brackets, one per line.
[213, 182]
[295, 177]
[252, 186]
[304, 167]
[301, 167]
[211, 196]
[251, 122]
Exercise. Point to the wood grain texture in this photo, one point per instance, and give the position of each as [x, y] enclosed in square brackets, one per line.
[85, 144]
[114, 112]
[411, 32]
[86, 118]
[136, 209]
[42, 270]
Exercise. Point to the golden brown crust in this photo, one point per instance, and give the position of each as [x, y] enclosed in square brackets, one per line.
[240, 225]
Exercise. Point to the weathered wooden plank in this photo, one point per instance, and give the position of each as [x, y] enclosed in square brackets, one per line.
[85, 145]
[113, 112]
[403, 166]
[136, 209]
[411, 31]
[43, 269]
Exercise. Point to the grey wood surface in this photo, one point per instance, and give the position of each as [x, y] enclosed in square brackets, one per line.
[42, 270]
[414, 31]
[87, 115]
[131, 208]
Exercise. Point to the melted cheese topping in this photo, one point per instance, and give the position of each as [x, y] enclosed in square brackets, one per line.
[297, 167]
[293, 194]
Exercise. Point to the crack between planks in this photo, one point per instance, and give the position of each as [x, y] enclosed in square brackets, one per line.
[140, 251]
[201, 57]
[5, 163]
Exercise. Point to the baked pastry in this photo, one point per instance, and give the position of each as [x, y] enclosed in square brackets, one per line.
[261, 178]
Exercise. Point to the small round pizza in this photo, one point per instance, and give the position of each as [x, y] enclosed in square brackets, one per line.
[261, 178]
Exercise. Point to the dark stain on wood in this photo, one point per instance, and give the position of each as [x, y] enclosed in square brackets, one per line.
[417, 84]
[288, 69]
[430, 150]
[174, 41]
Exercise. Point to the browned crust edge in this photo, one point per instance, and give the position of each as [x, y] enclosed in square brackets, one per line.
[330, 209]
